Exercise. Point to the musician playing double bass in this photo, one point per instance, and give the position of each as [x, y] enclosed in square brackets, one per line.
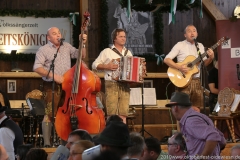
[62, 63]
[117, 93]
[187, 48]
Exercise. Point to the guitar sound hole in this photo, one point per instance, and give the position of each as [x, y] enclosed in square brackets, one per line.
[189, 65]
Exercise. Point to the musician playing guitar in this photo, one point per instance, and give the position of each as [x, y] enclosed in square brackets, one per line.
[182, 50]
[117, 93]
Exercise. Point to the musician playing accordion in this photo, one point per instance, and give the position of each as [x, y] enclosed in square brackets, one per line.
[117, 92]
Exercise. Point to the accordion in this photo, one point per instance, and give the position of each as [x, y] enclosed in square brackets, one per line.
[130, 69]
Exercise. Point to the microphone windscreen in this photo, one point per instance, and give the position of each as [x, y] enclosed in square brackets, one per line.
[61, 153]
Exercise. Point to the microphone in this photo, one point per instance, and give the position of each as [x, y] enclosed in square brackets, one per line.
[238, 73]
[61, 39]
[195, 40]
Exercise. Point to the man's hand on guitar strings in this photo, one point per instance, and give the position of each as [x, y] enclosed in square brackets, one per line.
[210, 53]
[183, 68]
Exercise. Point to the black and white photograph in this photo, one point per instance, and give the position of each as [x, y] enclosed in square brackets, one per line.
[11, 86]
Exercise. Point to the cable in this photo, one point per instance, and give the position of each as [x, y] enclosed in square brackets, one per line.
[166, 88]
[169, 109]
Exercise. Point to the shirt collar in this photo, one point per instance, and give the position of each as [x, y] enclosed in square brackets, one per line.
[188, 42]
[51, 44]
[4, 117]
[124, 48]
[184, 117]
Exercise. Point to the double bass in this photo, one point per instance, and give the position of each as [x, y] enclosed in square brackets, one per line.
[79, 109]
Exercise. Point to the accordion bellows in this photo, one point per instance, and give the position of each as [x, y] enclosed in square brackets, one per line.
[130, 69]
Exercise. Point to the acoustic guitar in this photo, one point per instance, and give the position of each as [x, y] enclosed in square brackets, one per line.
[180, 79]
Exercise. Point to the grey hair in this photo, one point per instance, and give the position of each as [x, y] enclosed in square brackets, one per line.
[138, 144]
[179, 139]
[235, 147]
[185, 30]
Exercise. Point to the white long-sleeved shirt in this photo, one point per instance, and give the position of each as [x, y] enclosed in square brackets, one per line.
[105, 57]
[6, 140]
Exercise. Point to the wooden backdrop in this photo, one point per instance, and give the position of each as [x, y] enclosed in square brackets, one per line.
[172, 34]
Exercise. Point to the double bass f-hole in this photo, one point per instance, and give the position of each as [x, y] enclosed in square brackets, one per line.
[87, 106]
[88, 112]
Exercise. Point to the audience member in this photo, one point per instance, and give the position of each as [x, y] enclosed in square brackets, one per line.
[11, 135]
[107, 155]
[235, 152]
[177, 147]
[77, 149]
[153, 150]
[114, 118]
[3, 153]
[36, 154]
[115, 138]
[22, 151]
[202, 138]
[78, 134]
[111, 118]
[137, 149]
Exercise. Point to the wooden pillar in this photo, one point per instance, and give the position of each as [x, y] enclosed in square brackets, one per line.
[83, 8]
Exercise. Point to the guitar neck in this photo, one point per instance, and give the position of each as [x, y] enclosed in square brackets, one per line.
[198, 59]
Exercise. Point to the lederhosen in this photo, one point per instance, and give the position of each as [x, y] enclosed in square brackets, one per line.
[47, 96]
[117, 95]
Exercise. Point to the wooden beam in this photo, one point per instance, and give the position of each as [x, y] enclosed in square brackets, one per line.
[212, 9]
[35, 75]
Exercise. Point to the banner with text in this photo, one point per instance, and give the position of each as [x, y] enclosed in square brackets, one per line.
[26, 35]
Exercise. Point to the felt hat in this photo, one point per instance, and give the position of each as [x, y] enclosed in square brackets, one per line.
[115, 134]
[179, 98]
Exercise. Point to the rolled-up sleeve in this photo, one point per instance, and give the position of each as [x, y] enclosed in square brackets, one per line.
[100, 59]
[39, 60]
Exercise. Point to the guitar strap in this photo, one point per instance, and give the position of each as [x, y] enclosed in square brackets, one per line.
[116, 51]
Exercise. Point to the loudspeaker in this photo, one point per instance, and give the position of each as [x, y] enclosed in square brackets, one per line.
[37, 106]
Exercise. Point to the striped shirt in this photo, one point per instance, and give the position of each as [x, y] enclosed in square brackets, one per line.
[62, 63]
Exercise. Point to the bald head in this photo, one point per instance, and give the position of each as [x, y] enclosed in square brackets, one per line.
[3, 153]
[53, 35]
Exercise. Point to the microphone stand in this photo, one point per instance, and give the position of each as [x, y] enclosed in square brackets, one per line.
[143, 108]
[203, 70]
[53, 91]
[238, 73]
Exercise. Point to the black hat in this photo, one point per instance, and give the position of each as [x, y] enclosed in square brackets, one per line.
[2, 108]
[179, 98]
[115, 134]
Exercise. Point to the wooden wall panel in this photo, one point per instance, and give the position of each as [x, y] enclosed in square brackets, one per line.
[94, 33]
[226, 7]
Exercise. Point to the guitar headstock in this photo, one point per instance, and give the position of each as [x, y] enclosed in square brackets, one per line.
[86, 21]
[222, 40]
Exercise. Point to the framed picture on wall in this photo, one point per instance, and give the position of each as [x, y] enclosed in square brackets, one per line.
[148, 84]
[11, 86]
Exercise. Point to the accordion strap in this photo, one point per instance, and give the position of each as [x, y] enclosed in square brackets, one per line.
[116, 51]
